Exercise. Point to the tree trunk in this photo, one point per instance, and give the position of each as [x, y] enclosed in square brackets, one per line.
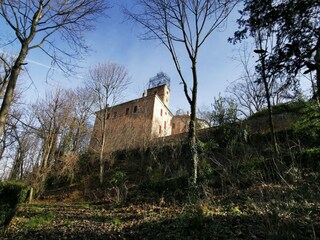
[270, 120]
[16, 166]
[317, 62]
[192, 127]
[270, 114]
[193, 150]
[268, 98]
[103, 143]
[9, 92]
[101, 159]
[47, 156]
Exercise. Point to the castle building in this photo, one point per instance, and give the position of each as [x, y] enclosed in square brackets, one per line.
[135, 123]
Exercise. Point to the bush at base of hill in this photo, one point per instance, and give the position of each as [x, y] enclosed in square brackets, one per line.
[11, 194]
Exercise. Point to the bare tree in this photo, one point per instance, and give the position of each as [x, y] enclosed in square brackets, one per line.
[107, 81]
[8, 145]
[10, 138]
[5, 68]
[22, 135]
[49, 138]
[84, 103]
[54, 116]
[38, 25]
[249, 94]
[263, 41]
[186, 23]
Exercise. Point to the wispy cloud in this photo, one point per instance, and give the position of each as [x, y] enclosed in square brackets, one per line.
[31, 61]
[40, 64]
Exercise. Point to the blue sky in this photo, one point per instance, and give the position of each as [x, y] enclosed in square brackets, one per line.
[117, 40]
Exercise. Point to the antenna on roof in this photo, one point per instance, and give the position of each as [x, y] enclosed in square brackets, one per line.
[160, 79]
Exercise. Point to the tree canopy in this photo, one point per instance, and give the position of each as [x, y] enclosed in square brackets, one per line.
[295, 27]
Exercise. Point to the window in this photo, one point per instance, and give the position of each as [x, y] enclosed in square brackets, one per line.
[160, 129]
[161, 112]
[173, 125]
[135, 109]
[165, 125]
[127, 111]
[108, 115]
[155, 92]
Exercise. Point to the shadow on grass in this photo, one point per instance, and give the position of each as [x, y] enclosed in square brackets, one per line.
[183, 226]
[224, 227]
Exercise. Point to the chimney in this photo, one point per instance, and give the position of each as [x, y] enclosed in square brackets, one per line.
[144, 94]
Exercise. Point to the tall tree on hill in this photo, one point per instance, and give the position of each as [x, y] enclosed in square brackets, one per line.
[53, 115]
[23, 139]
[83, 116]
[107, 82]
[286, 34]
[38, 25]
[247, 93]
[296, 31]
[187, 24]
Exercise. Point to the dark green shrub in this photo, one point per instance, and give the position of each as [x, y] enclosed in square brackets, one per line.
[11, 194]
[292, 107]
[310, 158]
[307, 127]
[192, 220]
[174, 188]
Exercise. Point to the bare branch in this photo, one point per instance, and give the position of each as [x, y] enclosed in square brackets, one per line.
[41, 24]
[187, 23]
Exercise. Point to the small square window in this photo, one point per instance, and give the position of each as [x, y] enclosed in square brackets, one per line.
[135, 109]
[127, 111]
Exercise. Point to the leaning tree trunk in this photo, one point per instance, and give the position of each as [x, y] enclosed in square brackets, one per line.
[48, 155]
[16, 170]
[9, 92]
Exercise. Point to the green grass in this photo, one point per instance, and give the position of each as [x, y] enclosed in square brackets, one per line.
[39, 220]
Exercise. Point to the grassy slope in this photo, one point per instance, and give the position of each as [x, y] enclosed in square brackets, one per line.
[260, 212]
